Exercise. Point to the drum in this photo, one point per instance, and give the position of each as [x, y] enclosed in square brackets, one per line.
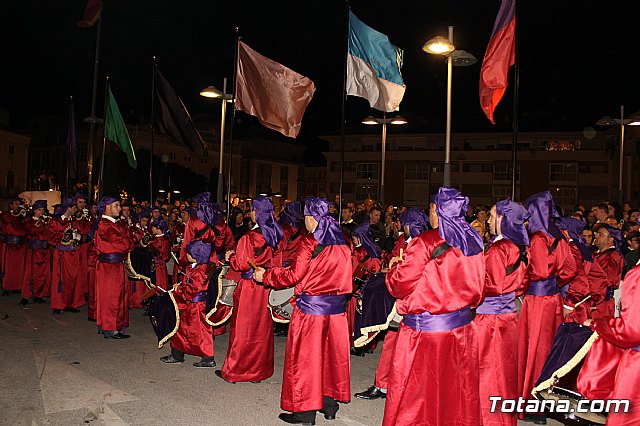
[375, 310]
[227, 286]
[164, 316]
[281, 304]
[557, 380]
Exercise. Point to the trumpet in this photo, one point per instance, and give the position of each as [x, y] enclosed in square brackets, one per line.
[43, 219]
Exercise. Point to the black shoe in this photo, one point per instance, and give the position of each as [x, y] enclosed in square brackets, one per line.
[72, 310]
[57, 312]
[327, 416]
[39, 300]
[91, 319]
[116, 336]
[330, 408]
[357, 352]
[371, 393]
[169, 359]
[292, 418]
[219, 374]
[23, 302]
[208, 364]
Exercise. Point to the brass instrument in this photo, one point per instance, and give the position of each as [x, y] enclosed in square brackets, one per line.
[43, 219]
[20, 211]
[146, 239]
[70, 236]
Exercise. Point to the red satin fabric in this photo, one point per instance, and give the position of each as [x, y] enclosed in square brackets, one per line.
[250, 354]
[627, 386]
[317, 360]
[612, 263]
[194, 333]
[598, 373]
[163, 246]
[386, 357]
[65, 293]
[84, 227]
[13, 256]
[112, 311]
[421, 389]
[92, 260]
[540, 316]
[37, 271]
[292, 245]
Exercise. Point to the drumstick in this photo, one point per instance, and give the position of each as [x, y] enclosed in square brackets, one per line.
[401, 253]
[582, 301]
[252, 263]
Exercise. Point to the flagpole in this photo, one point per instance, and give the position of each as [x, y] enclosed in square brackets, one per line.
[516, 90]
[344, 97]
[233, 120]
[104, 142]
[92, 119]
[153, 93]
[69, 143]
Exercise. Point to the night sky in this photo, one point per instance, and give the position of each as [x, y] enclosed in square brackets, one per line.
[576, 57]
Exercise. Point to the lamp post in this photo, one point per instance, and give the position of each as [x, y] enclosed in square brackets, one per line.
[459, 58]
[397, 120]
[608, 121]
[212, 92]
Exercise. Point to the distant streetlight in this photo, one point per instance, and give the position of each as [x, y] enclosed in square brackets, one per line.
[212, 92]
[397, 120]
[459, 58]
[608, 121]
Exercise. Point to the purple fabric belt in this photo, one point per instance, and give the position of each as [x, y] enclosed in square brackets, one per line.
[200, 297]
[442, 322]
[248, 275]
[66, 248]
[547, 287]
[111, 257]
[13, 240]
[496, 305]
[564, 290]
[327, 304]
[286, 263]
[38, 244]
[637, 348]
[609, 294]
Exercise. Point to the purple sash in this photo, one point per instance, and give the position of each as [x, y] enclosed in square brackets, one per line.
[326, 304]
[637, 348]
[200, 297]
[66, 248]
[564, 290]
[609, 294]
[442, 322]
[547, 287]
[13, 240]
[111, 257]
[38, 244]
[248, 275]
[496, 305]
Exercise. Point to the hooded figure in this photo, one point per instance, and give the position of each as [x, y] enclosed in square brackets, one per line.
[451, 207]
[364, 236]
[513, 218]
[269, 226]
[328, 231]
[416, 219]
[542, 212]
[66, 203]
[292, 215]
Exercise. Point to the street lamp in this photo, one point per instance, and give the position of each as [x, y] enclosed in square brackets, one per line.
[397, 120]
[608, 121]
[212, 92]
[459, 58]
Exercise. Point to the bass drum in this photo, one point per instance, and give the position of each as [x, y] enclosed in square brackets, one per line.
[281, 304]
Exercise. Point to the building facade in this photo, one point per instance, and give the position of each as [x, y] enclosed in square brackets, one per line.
[14, 150]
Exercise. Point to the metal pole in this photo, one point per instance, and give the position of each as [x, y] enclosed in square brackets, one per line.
[447, 140]
[104, 143]
[620, 193]
[343, 118]
[384, 150]
[153, 119]
[219, 196]
[92, 119]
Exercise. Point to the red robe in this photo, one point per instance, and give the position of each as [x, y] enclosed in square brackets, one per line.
[83, 225]
[292, 236]
[422, 389]
[540, 316]
[112, 311]
[162, 246]
[250, 354]
[498, 333]
[65, 291]
[612, 263]
[595, 279]
[194, 333]
[317, 353]
[13, 256]
[37, 273]
[92, 260]
[611, 370]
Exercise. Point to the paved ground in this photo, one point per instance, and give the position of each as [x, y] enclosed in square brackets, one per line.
[56, 370]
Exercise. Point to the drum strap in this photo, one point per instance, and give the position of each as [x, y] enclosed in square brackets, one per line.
[554, 245]
[294, 236]
[317, 251]
[522, 258]
[260, 250]
[440, 250]
[201, 232]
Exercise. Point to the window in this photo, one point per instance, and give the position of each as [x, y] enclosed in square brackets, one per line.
[366, 171]
[263, 178]
[501, 193]
[12, 149]
[204, 160]
[284, 180]
[334, 187]
[416, 170]
[173, 156]
[563, 172]
[593, 167]
[503, 171]
[187, 158]
[416, 194]
[349, 166]
[565, 197]
[366, 191]
[11, 180]
[478, 167]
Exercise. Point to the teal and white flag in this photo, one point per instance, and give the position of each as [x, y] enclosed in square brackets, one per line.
[373, 67]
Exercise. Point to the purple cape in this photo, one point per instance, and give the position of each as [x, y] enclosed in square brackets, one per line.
[451, 207]
[417, 220]
[513, 217]
[542, 211]
[363, 234]
[328, 231]
[200, 251]
[292, 214]
[270, 228]
[574, 228]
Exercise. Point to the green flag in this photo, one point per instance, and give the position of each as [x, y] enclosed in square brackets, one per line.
[116, 131]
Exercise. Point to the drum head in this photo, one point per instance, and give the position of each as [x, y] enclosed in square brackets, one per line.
[558, 394]
[279, 297]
